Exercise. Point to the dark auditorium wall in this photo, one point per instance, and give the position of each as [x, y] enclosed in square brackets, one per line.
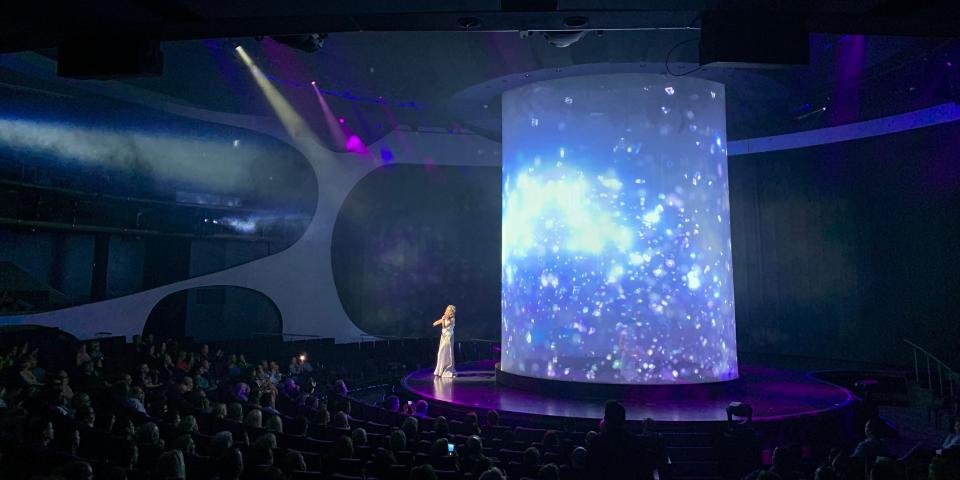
[60, 260]
[843, 250]
[214, 314]
[409, 239]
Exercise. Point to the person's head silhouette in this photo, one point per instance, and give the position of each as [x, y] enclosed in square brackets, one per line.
[614, 415]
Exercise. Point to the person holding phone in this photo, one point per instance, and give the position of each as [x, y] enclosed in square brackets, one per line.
[445, 367]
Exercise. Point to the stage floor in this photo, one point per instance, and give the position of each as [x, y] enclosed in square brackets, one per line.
[775, 394]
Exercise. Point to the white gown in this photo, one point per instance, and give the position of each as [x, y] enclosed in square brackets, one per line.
[445, 353]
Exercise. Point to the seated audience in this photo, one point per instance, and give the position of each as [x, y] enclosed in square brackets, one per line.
[158, 420]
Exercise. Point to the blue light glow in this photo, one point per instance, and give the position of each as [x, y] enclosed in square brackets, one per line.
[616, 246]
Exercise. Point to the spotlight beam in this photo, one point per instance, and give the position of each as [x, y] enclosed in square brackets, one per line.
[332, 123]
[292, 121]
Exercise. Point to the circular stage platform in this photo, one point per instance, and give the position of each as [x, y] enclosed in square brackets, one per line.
[775, 395]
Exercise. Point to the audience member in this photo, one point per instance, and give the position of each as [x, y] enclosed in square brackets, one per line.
[887, 469]
[575, 470]
[398, 441]
[78, 470]
[423, 472]
[340, 420]
[654, 446]
[171, 466]
[267, 440]
[531, 457]
[230, 465]
[274, 423]
[548, 472]
[551, 440]
[392, 404]
[783, 465]
[359, 437]
[293, 462]
[185, 444]
[235, 412]
[410, 427]
[825, 473]
[441, 427]
[421, 409]
[380, 462]
[471, 424]
[492, 474]
[952, 442]
[871, 447]
[493, 418]
[220, 444]
[254, 419]
[615, 453]
[188, 424]
[298, 426]
[942, 468]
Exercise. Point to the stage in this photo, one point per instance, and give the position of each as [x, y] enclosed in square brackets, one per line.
[775, 395]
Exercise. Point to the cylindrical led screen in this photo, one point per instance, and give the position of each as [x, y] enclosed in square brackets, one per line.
[616, 262]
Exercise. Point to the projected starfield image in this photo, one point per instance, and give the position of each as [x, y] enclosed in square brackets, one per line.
[616, 263]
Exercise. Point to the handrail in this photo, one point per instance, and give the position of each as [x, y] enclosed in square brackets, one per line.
[941, 366]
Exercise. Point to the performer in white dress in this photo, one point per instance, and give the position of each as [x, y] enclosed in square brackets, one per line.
[445, 353]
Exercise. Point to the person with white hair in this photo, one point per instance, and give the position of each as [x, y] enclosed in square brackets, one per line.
[445, 368]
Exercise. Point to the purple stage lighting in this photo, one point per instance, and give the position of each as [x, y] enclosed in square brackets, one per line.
[355, 145]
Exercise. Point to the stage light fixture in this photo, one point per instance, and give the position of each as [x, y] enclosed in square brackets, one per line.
[741, 413]
[576, 21]
[309, 43]
[563, 38]
[468, 23]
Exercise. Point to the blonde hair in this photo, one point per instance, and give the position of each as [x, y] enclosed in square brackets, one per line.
[451, 307]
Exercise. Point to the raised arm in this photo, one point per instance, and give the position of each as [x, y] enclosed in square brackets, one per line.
[438, 322]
